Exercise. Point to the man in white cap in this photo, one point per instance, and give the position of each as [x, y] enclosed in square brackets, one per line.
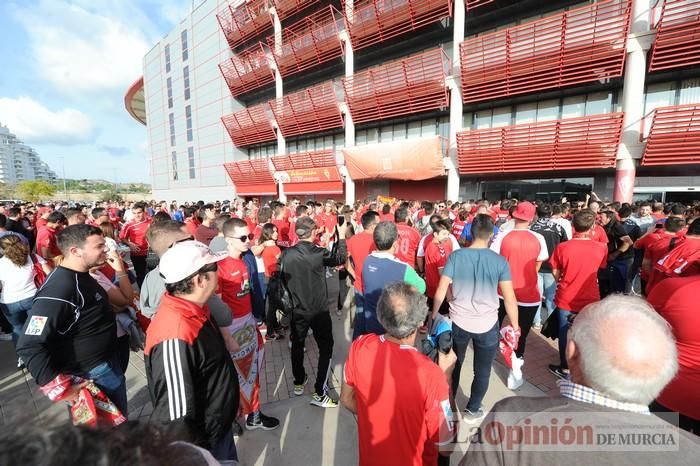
[191, 378]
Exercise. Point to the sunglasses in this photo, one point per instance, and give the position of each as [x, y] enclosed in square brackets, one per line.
[242, 239]
[189, 238]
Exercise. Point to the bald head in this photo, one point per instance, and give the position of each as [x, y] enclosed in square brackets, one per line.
[621, 347]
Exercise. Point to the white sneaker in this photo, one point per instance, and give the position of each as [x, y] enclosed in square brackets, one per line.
[515, 376]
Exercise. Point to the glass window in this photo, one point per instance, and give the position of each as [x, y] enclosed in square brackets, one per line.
[183, 39]
[167, 58]
[339, 141]
[372, 136]
[318, 143]
[386, 133]
[328, 142]
[501, 117]
[659, 95]
[574, 107]
[413, 130]
[301, 145]
[427, 128]
[467, 119]
[483, 119]
[444, 127]
[174, 165]
[526, 113]
[598, 103]
[548, 110]
[690, 92]
[171, 118]
[188, 119]
[399, 131]
[190, 157]
[186, 81]
[292, 147]
[169, 85]
[361, 137]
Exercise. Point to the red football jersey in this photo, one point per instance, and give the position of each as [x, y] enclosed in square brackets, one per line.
[578, 261]
[135, 232]
[523, 249]
[234, 286]
[407, 247]
[359, 247]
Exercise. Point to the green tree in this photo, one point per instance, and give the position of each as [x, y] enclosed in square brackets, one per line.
[111, 195]
[35, 190]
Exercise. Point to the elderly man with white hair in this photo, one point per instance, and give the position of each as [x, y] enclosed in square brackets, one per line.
[621, 354]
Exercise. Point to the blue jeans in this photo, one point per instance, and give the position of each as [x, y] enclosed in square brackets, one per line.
[109, 378]
[619, 272]
[547, 286]
[225, 448]
[16, 314]
[563, 332]
[485, 347]
[359, 316]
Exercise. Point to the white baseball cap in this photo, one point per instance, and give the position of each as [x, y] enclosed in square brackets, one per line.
[185, 258]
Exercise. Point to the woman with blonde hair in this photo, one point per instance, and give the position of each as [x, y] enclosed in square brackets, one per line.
[17, 275]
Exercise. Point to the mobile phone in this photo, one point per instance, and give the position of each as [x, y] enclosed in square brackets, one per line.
[341, 220]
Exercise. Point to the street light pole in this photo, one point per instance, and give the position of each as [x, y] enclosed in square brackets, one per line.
[65, 190]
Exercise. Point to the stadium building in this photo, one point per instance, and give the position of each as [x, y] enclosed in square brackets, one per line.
[425, 99]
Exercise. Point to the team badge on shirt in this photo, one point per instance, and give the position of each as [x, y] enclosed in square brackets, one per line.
[36, 325]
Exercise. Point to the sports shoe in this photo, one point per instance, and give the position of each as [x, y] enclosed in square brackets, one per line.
[472, 417]
[20, 364]
[299, 388]
[559, 371]
[258, 420]
[237, 429]
[5, 336]
[323, 401]
[274, 336]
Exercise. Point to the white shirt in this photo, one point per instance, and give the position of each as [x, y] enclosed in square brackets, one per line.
[566, 225]
[17, 282]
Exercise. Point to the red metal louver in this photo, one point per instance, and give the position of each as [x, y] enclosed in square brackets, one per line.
[674, 138]
[307, 111]
[249, 126]
[247, 70]
[374, 21]
[678, 36]
[286, 8]
[252, 177]
[471, 4]
[578, 46]
[242, 23]
[403, 87]
[309, 42]
[573, 143]
[309, 173]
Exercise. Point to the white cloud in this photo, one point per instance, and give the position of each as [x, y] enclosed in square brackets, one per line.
[77, 50]
[34, 123]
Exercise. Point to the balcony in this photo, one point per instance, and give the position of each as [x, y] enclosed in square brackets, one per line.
[249, 126]
[373, 21]
[678, 36]
[244, 22]
[308, 111]
[578, 46]
[471, 4]
[574, 143]
[309, 173]
[247, 70]
[286, 8]
[674, 138]
[309, 42]
[403, 87]
[252, 177]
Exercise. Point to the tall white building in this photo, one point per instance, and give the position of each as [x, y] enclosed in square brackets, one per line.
[19, 162]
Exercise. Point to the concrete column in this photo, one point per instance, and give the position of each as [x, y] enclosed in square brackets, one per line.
[281, 194]
[349, 124]
[279, 89]
[631, 148]
[456, 106]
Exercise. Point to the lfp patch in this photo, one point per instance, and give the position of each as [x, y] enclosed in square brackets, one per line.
[36, 325]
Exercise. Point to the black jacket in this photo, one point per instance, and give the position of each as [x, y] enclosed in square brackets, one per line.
[304, 269]
[191, 377]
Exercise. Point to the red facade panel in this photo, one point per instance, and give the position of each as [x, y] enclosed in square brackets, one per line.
[403, 87]
[252, 177]
[244, 22]
[286, 8]
[307, 111]
[471, 4]
[372, 21]
[578, 46]
[249, 126]
[573, 143]
[309, 173]
[674, 138]
[309, 42]
[247, 70]
[678, 36]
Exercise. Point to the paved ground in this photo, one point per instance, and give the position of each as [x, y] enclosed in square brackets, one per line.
[308, 435]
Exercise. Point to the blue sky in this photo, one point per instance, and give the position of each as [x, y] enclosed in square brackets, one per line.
[66, 65]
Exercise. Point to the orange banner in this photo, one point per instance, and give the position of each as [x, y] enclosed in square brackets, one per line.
[309, 175]
[410, 160]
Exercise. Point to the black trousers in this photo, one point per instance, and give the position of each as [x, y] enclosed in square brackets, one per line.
[123, 351]
[526, 315]
[271, 316]
[139, 263]
[320, 323]
[343, 287]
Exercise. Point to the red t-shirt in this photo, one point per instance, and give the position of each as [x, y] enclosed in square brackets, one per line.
[578, 261]
[682, 261]
[655, 250]
[327, 221]
[408, 239]
[270, 255]
[523, 249]
[191, 225]
[293, 238]
[359, 247]
[234, 286]
[458, 228]
[645, 243]
[40, 223]
[46, 238]
[676, 302]
[435, 258]
[599, 234]
[410, 435]
[205, 234]
[282, 232]
[387, 217]
[136, 233]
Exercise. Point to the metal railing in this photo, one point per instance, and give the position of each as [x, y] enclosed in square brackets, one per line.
[252, 125]
[310, 110]
[674, 136]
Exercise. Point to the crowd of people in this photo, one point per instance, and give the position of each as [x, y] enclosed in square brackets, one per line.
[615, 284]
